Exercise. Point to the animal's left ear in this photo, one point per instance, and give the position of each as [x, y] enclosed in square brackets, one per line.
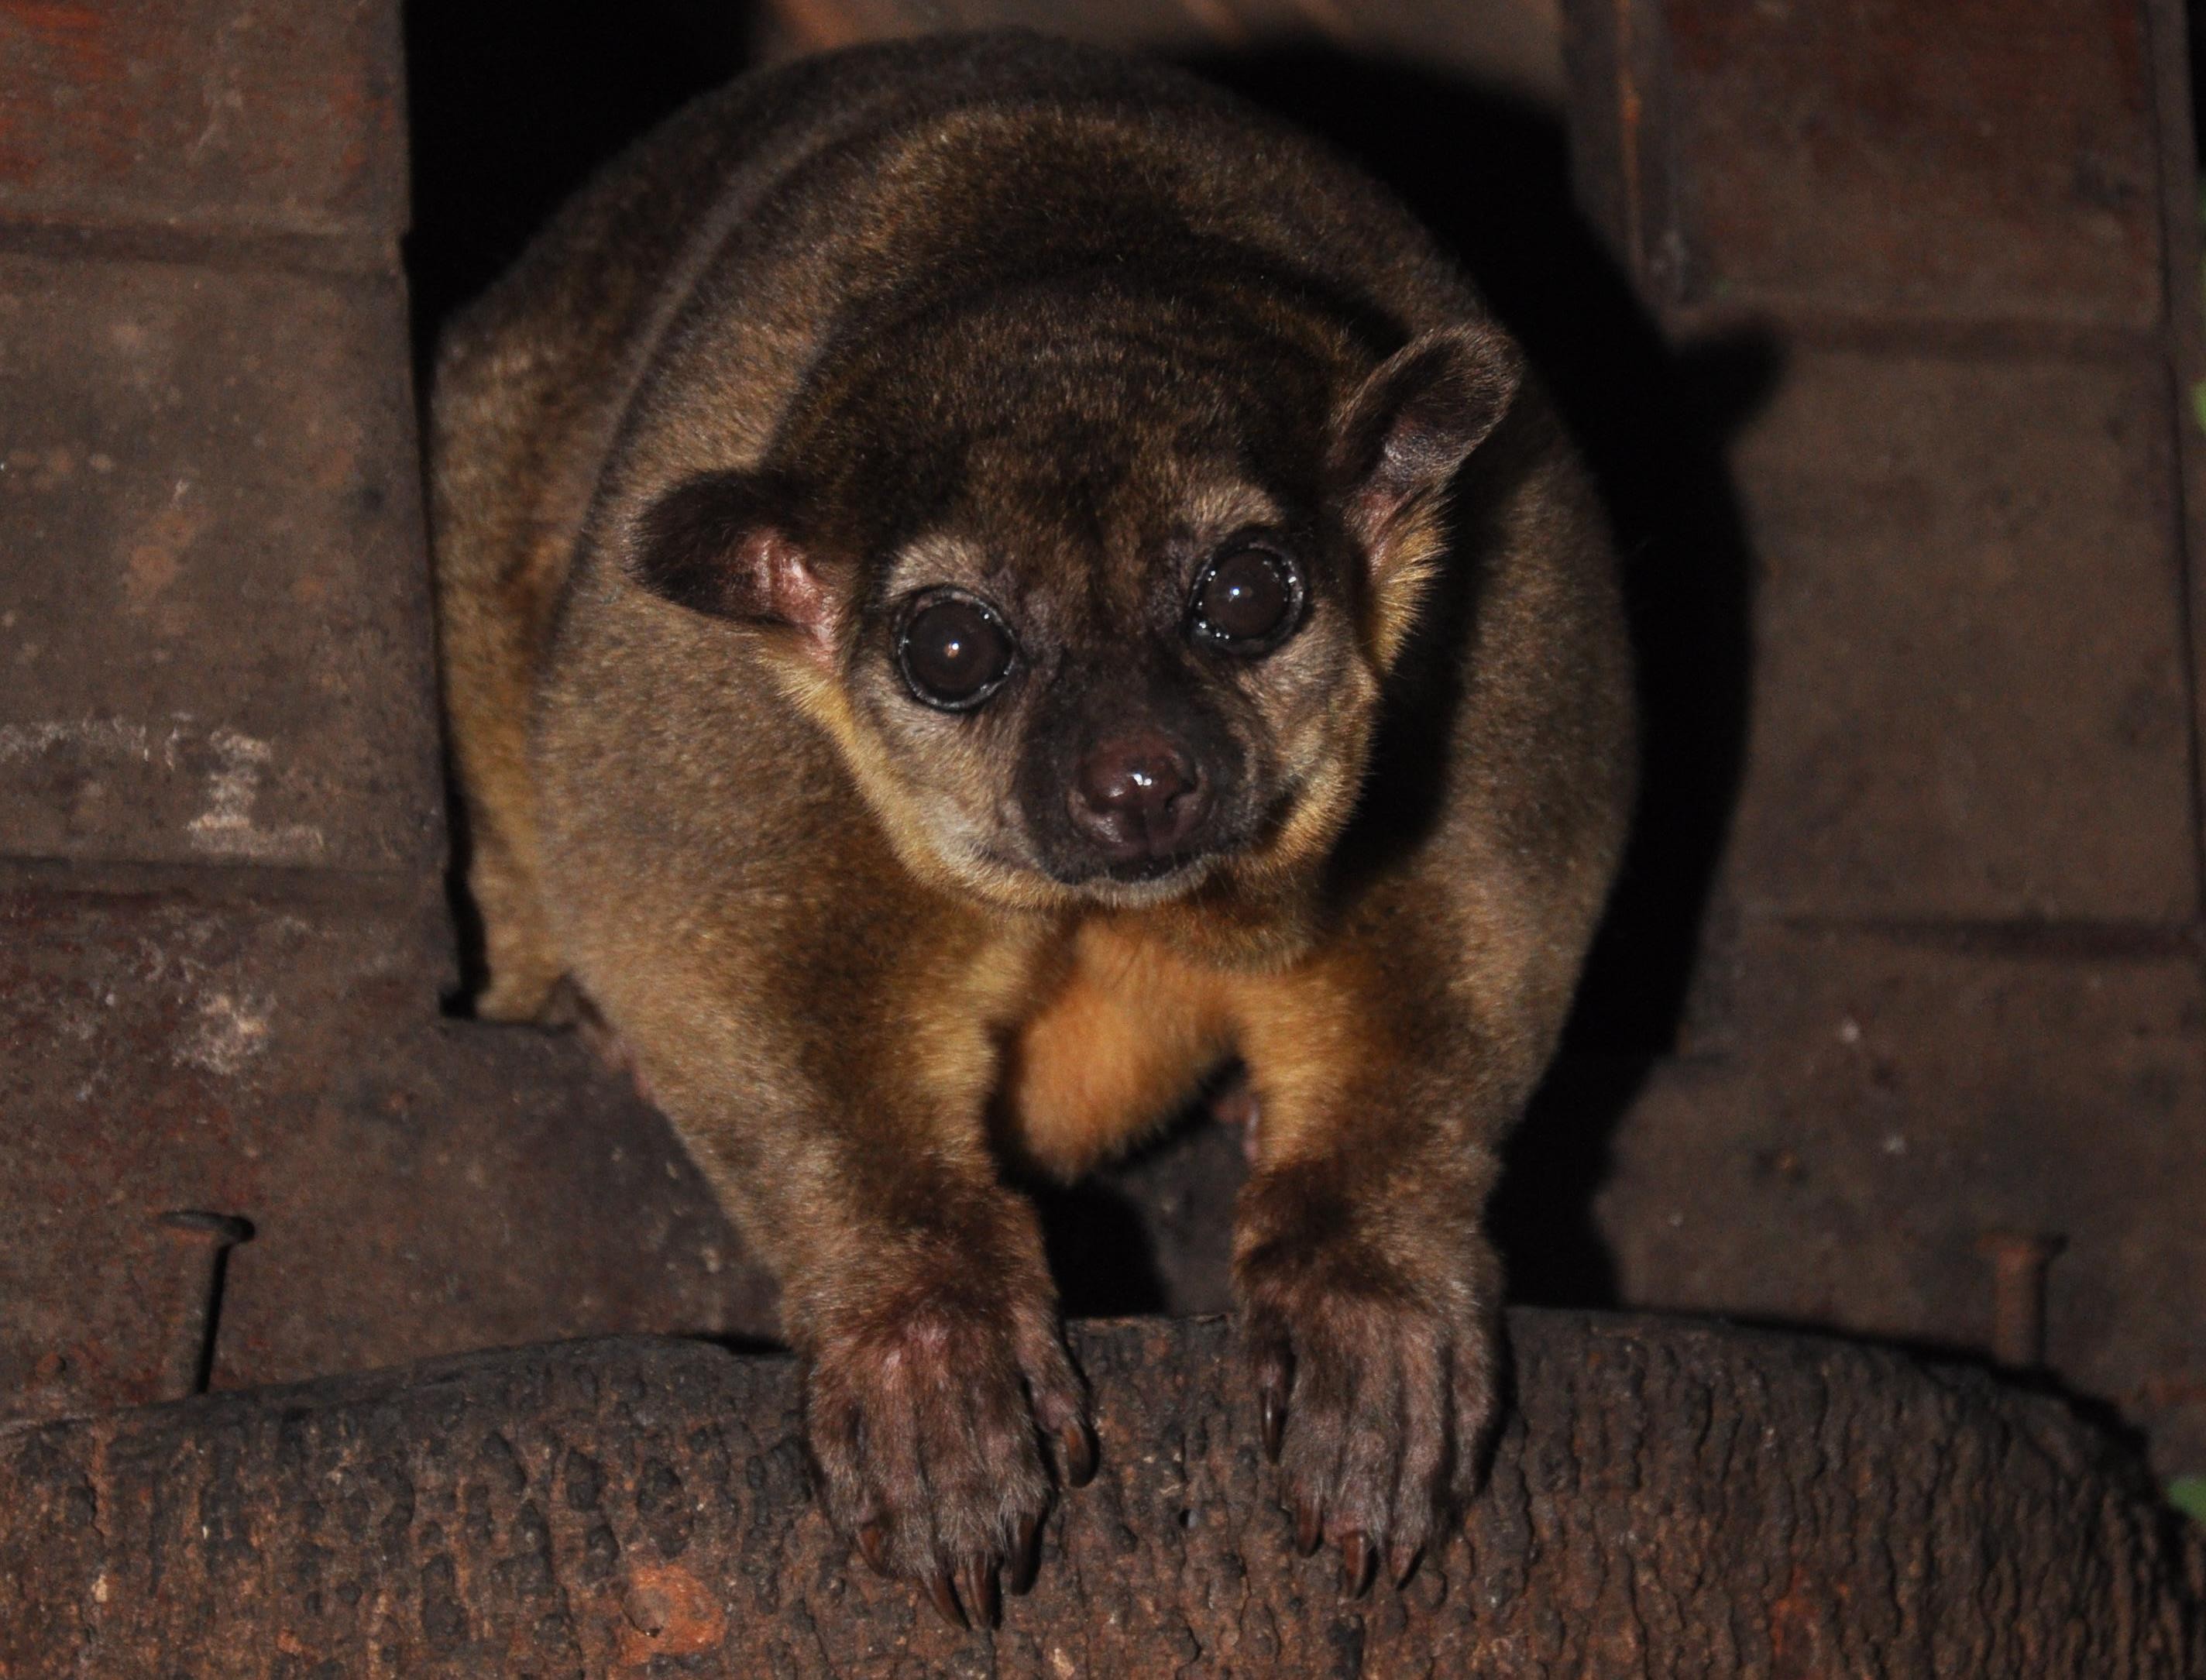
[728, 545]
[1401, 436]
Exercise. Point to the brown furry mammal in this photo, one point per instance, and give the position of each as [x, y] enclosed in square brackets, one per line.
[955, 629]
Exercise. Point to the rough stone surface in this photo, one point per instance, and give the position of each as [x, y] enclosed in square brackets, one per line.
[1976, 160]
[1909, 1093]
[253, 1049]
[1674, 1500]
[236, 116]
[214, 634]
[1972, 700]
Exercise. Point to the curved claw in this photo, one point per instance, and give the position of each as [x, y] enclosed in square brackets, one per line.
[1309, 1527]
[1076, 1453]
[944, 1597]
[977, 1587]
[1401, 1564]
[1275, 1422]
[1025, 1561]
[1358, 1560]
[873, 1547]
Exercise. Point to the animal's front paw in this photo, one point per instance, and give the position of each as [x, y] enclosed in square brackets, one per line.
[926, 1414]
[1375, 1360]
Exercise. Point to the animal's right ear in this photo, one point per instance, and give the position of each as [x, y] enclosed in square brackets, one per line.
[1410, 425]
[726, 544]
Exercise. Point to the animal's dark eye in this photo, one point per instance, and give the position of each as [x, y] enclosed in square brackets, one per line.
[1248, 602]
[954, 652]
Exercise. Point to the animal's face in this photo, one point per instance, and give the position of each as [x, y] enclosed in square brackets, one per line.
[1115, 709]
[1095, 618]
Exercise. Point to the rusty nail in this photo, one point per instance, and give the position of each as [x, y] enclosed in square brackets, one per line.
[191, 1358]
[2018, 1261]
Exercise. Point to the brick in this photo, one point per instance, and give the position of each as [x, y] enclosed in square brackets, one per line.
[214, 631]
[1970, 691]
[1982, 160]
[1905, 1098]
[480, 1186]
[226, 115]
[164, 1048]
[417, 1186]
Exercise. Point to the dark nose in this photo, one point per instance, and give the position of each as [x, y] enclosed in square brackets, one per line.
[1138, 795]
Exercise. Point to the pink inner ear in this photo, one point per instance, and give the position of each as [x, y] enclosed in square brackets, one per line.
[789, 589]
[1414, 460]
[1415, 420]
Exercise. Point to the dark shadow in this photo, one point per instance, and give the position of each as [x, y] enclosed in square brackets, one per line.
[747, 1347]
[1542, 1215]
[2195, 13]
[1490, 177]
[513, 103]
[1100, 1250]
[469, 940]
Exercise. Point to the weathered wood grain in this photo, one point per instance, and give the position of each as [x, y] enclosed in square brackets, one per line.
[1672, 1499]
